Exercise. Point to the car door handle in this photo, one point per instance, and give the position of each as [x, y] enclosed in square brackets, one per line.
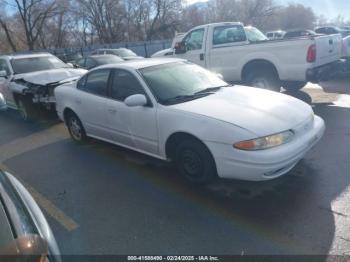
[201, 57]
[112, 111]
[78, 101]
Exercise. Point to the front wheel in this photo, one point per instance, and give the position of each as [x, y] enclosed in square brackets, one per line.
[195, 162]
[75, 128]
[264, 79]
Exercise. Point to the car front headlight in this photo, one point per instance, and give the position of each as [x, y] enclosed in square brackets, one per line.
[265, 142]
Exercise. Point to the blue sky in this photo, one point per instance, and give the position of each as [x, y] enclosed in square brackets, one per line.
[329, 8]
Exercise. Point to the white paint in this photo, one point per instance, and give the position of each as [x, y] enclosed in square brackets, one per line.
[220, 120]
[288, 56]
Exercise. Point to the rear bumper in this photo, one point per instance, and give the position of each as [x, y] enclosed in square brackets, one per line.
[325, 72]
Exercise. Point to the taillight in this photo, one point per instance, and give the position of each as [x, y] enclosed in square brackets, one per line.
[311, 54]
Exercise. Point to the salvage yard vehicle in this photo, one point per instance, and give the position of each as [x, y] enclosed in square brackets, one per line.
[24, 231]
[275, 35]
[93, 61]
[174, 110]
[169, 51]
[299, 33]
[123, 53]
[27, 81]
[226, 48]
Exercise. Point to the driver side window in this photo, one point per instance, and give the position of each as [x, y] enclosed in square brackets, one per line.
[194, 40]
[125, 84]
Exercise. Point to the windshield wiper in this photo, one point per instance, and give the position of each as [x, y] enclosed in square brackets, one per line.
[184, 98]
[211, 90]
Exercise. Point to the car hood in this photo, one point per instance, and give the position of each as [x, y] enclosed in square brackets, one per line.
[51, 76]
[259, 111]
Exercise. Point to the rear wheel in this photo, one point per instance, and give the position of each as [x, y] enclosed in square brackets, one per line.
[265, 79]
[75, 128]
[294, 85]
[194, 161]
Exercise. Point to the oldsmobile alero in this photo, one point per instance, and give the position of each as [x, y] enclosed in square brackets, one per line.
[174, 110]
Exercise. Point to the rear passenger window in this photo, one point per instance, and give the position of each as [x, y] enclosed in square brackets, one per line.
[96, 82]
[229, 34]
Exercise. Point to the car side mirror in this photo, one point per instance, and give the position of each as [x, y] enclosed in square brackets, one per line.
[3, 74]
[180, 48]
[136, 100]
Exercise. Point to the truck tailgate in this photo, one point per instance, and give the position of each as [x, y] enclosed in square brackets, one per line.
[328, 48]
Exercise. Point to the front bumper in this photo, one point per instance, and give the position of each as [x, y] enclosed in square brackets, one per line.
[326, 72]
[266, 164]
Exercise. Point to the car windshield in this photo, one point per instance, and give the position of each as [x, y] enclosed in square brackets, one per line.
[254, 35]
[34, 64]
[125, 52]
[180, 81]
[103, 60]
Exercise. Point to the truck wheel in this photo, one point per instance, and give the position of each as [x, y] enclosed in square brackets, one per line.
[26, 108]
[294, 85]
[264, 79]
[195, 162]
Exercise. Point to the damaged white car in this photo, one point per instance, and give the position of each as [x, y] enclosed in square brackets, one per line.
[27, 81]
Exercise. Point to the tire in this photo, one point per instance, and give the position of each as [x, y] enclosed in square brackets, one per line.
[194, 161]
[26, 108]
[76, 128]
[265, 79]
[294, 85]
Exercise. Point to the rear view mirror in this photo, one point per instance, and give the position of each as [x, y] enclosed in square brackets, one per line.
[180, 48]
[3, 74]
[136, 100]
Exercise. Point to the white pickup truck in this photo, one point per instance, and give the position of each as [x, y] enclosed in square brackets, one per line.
[244, 54]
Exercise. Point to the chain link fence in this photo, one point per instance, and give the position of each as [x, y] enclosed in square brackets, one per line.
[145, 49]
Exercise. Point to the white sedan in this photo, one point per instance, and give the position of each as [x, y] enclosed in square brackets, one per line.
[174, 110]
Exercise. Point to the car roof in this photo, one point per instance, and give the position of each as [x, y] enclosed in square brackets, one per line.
[99, 56]
[20, 56]
[143, 63]
[107, 49]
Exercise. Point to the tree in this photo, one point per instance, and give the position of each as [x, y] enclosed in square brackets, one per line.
[106, 16]
[4, 23]
[33, 15]
[296, 16]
